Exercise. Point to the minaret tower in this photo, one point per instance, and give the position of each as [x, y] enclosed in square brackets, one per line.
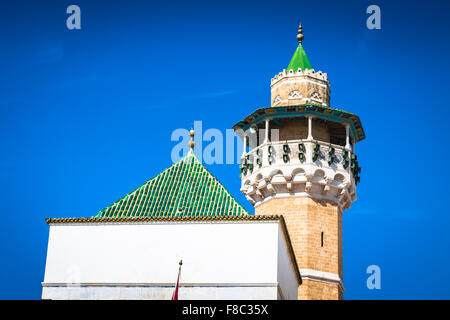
[299, 161]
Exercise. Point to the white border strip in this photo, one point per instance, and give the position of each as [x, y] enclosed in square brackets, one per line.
[321, 276]
[170, 285]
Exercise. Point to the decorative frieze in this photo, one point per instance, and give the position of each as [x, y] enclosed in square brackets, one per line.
[319, 75]
[299, 168]
[301, 86]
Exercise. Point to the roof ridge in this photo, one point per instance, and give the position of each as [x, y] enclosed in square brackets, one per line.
[142, 185]
[186, 188]
[226, 190]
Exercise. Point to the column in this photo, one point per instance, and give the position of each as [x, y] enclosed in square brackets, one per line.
[347, 138]
[244, 140]
[266, 133]
[348, 148]
[310, 136]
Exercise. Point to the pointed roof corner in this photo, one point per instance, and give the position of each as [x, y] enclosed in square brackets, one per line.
[185, 189]
[299, 59]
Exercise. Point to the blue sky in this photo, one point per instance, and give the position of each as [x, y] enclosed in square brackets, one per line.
[87, 115]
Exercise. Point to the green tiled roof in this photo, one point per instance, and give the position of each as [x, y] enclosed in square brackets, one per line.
[185, 189]
[299, 60]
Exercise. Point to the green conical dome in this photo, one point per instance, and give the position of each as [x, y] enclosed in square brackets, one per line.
[299, 60]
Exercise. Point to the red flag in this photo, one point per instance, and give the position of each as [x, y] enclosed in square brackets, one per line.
[175, 293]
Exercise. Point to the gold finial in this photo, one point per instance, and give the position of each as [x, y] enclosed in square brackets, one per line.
[191, 142]
[300, 35]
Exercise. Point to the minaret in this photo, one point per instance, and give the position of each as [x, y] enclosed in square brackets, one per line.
[302, 165]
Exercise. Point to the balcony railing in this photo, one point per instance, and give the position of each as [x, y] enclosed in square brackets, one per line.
[298, 153]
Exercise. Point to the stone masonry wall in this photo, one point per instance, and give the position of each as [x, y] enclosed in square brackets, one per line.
[297, 128]
[306, 219]
[313, 290]
[297, 90]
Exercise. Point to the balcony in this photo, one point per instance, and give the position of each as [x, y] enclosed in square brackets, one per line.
[300, 167]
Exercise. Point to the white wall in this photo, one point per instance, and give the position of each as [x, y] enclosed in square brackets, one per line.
[221, 260]
[286, 277]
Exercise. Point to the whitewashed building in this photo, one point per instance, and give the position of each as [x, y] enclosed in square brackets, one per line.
[131, 249]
